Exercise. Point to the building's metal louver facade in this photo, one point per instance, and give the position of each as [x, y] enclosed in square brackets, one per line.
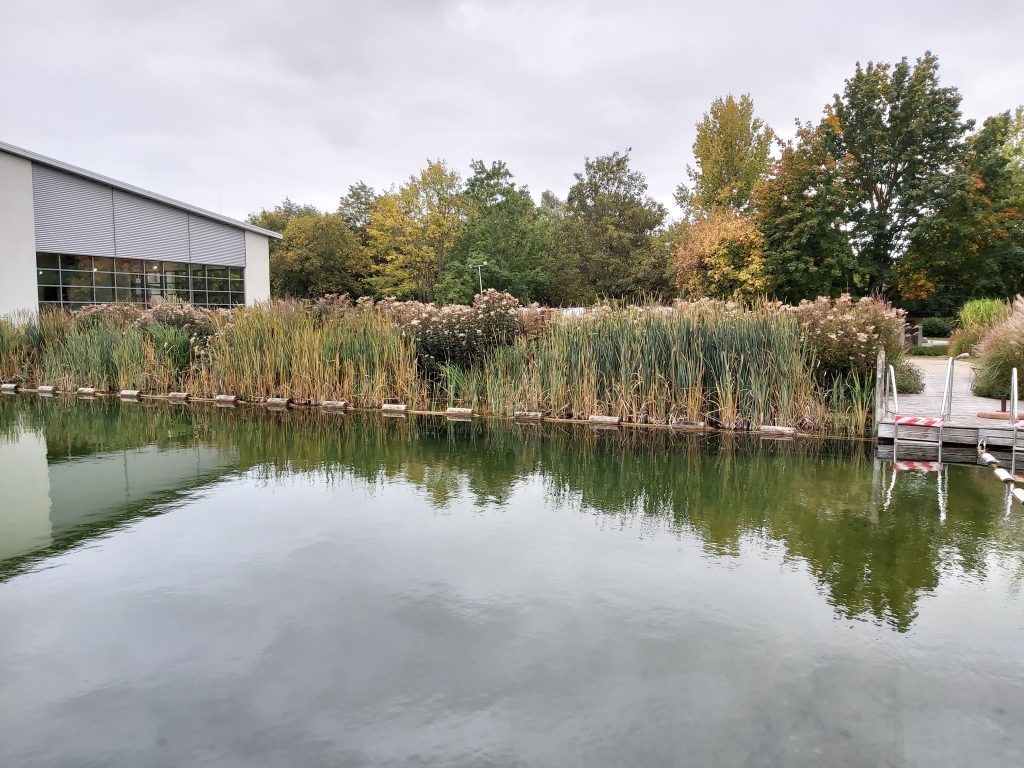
[211, 242]
[144, 229]
[82, 217]
[72, 215]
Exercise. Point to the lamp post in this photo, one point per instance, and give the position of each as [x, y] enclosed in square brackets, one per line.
[479, 273]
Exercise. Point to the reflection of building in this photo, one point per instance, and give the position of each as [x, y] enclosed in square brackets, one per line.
[45, 502]
[70, 237]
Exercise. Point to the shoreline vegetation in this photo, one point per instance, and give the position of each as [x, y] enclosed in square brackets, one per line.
[725, 365]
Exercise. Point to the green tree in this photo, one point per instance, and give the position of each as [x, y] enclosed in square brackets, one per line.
[356, 207]
[276, 219]
[799, 208]
[319, 255]
[411, 232]
[973, 246]
[732, 151]
[896, 136]
[505, 229]
[609, 224]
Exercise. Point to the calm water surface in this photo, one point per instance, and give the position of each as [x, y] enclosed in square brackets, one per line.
[189, 587]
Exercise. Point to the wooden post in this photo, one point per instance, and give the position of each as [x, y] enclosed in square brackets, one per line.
[880, 380]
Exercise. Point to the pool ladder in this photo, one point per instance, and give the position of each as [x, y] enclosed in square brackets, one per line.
[892, 408]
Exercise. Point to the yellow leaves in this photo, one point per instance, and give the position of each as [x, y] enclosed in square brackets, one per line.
[413, 229]
[721, 256]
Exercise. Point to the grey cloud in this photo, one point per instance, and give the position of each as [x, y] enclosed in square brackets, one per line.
[235, 105]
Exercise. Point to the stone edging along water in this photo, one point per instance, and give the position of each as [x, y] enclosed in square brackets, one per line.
[401, 409]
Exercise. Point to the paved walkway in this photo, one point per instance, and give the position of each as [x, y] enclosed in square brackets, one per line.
[966, 405]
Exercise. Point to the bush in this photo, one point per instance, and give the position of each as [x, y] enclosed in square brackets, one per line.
[979, 314]
[964, 341]
[930, 350]
[1001, 350]
[845, 334]
[938, 327]
[975, 318]
[909, 378]
[456, 334]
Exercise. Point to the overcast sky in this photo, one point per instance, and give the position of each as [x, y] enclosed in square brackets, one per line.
[234, 105]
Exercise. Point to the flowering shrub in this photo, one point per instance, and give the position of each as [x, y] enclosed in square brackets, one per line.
[332, 304]
[456, 334]
[845, 334]
[196, 320]
[119, 314]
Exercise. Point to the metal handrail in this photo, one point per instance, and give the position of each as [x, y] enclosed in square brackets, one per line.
[947, 392]
[1014, 412]
[891, 390]
[1014, 415]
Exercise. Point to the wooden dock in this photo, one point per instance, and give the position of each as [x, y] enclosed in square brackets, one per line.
[963, 431]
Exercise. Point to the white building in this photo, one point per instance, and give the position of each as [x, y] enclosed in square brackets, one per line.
[69, 237]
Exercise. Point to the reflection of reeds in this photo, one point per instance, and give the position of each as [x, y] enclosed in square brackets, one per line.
[817, 500]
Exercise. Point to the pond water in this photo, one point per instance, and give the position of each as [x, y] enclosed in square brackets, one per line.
[189, 586]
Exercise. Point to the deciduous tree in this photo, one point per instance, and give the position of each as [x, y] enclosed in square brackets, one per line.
[721, 256]
[799, 208]
[973, 245]
[411, 232]
[895, 135]
[319, 255]
[732, 151]
[505, 229]
[609, 224]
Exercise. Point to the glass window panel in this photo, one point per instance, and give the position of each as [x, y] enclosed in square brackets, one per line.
[102, 264]
[133, 266]
[129, 281]
[48, 276]
[181, 295]
[198, 283]
[77, 305]
[49, 293]
[48, 260]
[179, 282]
[49, 305]
[154, 292]
[237, 298]
[153, 280]
[130, 294]
[78, 294]
[103, 279]
[104, 294]
[199, 298]
[218, 299]
[217, 284]
[151, 267]
[235, 273]
[175, 268]
[76, 262]
[76, 279]
[216, 271]
[198, 270]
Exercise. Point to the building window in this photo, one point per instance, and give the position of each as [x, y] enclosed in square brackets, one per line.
[70, 281]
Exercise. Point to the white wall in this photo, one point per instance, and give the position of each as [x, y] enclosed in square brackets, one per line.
[25, 511]
[257, 267]
[17, 237]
